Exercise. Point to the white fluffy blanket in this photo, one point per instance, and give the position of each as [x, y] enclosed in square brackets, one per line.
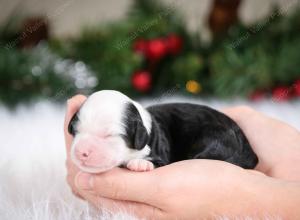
[32, 170]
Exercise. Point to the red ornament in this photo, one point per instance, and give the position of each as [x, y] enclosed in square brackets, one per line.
[174, 44]
[296, 87]
[156, 49]
[257, 95]
[281, 93]
[142, 81]
[140, 46]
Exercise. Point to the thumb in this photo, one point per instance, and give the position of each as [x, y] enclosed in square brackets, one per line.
[73, 105]
[120, 184]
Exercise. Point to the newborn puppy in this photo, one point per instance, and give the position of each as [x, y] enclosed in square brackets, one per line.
[112, 130]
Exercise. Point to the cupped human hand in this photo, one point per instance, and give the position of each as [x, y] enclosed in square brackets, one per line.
[194, 189]
[191, 189]
[276, 143]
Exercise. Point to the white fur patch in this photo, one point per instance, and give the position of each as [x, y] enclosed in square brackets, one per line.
[102, 115]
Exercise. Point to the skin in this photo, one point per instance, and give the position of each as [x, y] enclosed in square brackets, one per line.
[203, 189]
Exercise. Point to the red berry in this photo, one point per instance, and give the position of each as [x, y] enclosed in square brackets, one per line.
[141, 81]
[140, 46]
[156, 49]
[174, 44]
[297, 88]
[281, 93]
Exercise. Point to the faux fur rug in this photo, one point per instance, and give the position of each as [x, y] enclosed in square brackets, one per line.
[32, 169]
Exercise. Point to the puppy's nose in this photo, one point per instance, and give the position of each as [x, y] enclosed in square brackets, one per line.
[83, 154]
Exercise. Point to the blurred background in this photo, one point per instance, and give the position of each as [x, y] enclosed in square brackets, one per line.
[225, 49]
[216, 52]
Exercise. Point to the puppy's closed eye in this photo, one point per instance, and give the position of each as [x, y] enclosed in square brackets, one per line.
[108, 135]
[72, 125]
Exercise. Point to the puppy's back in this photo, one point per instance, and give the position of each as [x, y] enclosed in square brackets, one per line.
[198, 131]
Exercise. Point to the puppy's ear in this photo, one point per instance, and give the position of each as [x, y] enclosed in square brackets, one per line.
[136, 133]
[141, 136]
[72, 124]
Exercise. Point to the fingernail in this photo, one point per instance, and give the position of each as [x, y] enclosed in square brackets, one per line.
[84, 181]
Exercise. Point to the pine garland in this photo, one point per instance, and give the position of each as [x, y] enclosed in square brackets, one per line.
[260, 57]
[38, 73]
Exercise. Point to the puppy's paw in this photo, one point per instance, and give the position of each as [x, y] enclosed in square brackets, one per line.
[140, 165]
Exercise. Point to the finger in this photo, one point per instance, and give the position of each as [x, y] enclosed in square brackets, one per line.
[120, 184]
[256, 172]
[238, 112]
[110, 206]
[72, 171]
[71, 167]
[73, 105]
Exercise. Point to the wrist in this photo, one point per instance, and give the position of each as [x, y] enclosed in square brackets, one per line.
[263, 196]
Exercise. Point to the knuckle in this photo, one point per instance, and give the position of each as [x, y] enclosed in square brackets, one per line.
[156, 213]
[116, 193]
[68, 164]
[153, 212]
[69, 180]
[118, 188]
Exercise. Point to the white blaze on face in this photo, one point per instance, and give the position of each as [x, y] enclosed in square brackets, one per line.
[98, 144]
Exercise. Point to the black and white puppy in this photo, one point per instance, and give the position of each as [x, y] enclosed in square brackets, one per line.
[112, 130]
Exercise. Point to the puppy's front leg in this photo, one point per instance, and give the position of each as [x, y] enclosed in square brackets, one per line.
[140, 165]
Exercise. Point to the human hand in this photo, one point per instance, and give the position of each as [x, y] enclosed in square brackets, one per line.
[276, 143]
[191, 189]
[167, 192]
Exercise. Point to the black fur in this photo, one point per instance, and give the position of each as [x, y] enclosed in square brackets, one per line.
[183, 131]
[137, 136]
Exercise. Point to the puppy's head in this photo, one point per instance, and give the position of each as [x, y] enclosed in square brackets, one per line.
[109, 130]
